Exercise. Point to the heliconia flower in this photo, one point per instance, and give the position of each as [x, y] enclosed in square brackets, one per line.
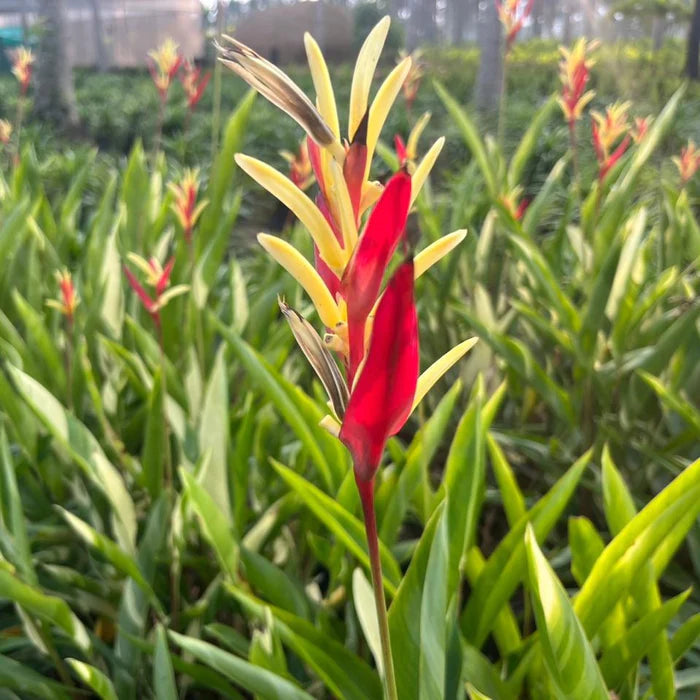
[164, 64]
[408, 152]
[689, 161]
[193, 83]
[5, 131]
[513, 203]
[22, 63]
[367, 354]
[185, 205]
[69, 299]
[512, 14]
[640, 128]
[413, 80]
[155, 276]
[574, 72]
[607, 129]
[301, 171]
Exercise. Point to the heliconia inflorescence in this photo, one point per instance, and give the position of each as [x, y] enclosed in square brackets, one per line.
[356, 225]
[164, 65]
[185, 204]
[512, 14]
[607, 130]
[69, 300]
[22, 66]
[574, 73]
[640, 128]
[5, 131]
[411, 84]
[688, 163]
[156, 276]
[193, 83]
[301, 172]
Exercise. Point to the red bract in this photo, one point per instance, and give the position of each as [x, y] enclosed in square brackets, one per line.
[382, 398]
[512, 18]
[194, 86]
[148, 303]
[401, 151]
[363, 276]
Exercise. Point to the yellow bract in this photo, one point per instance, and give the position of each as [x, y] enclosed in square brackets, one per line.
[436, 251]
[322, 84]
[303, 272]
[304, 209]
[366, 64]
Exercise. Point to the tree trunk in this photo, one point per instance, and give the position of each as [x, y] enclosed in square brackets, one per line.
[459, 20]
[658, 30]
[490, 76]
[692, 65]
[24, 18]
[566, 32]
[422, 25]
[538, 18]
[102, 61]
[55, 95]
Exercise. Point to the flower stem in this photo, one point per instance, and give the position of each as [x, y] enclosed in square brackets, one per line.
[366, 489]
[503, 101]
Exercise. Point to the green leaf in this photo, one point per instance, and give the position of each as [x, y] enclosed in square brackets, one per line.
[84, 449]
[25, 680]
[341, 523]
[215, 525]
[405, 617]
[117, 557]
[684, 638]
[250, 677]
[528, 143]
[163, 676]
[512, 497]
[154, 446]
[504, 569]
[49, 608]
[213, 436]
[94, 678]
[365, 607]
[569, 657]
[433, 610]
[470, 133]
[616, 568]
[223, 169]
[622, 658]
[673, 400]
[345, 674]
[266, 379]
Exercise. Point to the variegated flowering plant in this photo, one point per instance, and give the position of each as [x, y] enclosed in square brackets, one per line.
[367, 354]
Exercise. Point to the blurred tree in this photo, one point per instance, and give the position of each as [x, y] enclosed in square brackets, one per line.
[101, 53]
[692, 65]
[422, 23]
[488, 81]
[55, 95]
[457, 19]
[658, 15]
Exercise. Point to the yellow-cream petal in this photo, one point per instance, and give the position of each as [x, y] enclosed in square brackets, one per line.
[343, 207]
[381, 105]
[414, 136]
[142, 264]
[322, 84]
[331, 425]
[371, 192]
[364, 73]
[427, 380]
[302, 271]
[295, 200]
[424, 167]
[436, 251]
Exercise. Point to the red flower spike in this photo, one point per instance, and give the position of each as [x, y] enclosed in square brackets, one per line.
[148, 303]
[382, 398]
[315, 158]
[164, 280]
[400, 150]
[355, 165]
[614, 157]
[363, 275]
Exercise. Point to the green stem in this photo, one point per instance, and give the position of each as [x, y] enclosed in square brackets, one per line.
[216, 109]
[503, 102]
[366, 489]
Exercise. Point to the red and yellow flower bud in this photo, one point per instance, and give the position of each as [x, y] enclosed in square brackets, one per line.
[688, 163]
[185, 206]
[193, 83]
[512, 14]
[164, 63]
[607, 130]
[574, 73]
[22, 66]
[69, 300]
